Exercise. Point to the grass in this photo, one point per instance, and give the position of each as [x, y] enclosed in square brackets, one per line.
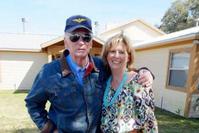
[13, 114]
[15, 119]
[171, 123]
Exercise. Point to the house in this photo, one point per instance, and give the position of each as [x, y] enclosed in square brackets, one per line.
[55, 47]
[23, 55]
[174, 60]
[20, 59]
[137, 29]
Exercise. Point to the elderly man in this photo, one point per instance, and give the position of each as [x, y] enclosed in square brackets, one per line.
[74, 85]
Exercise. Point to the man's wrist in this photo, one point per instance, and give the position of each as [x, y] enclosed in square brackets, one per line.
[48, 127]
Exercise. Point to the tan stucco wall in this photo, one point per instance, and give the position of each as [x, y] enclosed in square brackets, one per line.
[137, 32]
[157, 61]
[18, 69]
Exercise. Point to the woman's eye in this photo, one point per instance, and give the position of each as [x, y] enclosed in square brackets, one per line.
[121, 52]
[112, 51]
[117, 51]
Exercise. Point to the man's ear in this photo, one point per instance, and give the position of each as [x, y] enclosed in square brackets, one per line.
[129, 58]
[91, 43]
[65, 43]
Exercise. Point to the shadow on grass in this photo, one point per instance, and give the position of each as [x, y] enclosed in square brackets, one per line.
[24, 130]
[20, 91]
[171, 123]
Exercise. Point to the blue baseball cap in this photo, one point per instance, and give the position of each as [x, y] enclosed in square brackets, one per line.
[76, 22]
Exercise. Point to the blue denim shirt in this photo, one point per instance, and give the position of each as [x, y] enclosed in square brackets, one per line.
[73, 107]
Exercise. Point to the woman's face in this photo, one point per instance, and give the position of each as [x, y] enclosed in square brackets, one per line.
[117, 57]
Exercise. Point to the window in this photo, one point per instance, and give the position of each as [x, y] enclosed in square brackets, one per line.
[178, 68]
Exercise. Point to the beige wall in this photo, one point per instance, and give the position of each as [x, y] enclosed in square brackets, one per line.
[137, 31]
[18, 69]
[157, 61]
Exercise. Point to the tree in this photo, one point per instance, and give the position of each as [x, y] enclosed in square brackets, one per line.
[181, 15]
[194, 8]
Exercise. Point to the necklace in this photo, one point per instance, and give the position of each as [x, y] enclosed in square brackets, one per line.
[106, 102]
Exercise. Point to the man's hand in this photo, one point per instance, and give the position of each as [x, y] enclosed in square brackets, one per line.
[145, 79]
[55, 131]
[48, 128]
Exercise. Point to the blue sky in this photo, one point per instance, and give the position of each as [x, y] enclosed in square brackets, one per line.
[48, 16]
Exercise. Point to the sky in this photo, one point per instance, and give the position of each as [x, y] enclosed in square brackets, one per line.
[49, 16]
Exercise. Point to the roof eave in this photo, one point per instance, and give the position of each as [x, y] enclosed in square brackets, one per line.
[166, 41]
[97, 39]
[59, 39]
[121, 26]
[20, 50]
[51, 42]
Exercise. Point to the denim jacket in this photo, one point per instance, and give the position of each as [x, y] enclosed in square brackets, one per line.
[73, 107]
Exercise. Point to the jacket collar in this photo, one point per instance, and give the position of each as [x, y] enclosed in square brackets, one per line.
[65, 69]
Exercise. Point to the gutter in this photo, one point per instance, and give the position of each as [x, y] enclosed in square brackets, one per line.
[161, 41]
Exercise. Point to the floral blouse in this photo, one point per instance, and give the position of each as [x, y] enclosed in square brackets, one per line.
[133, 109]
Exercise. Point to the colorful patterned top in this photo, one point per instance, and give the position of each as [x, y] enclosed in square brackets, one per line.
[132, 109]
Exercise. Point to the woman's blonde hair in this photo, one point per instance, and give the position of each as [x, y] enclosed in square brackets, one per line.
[116, 40]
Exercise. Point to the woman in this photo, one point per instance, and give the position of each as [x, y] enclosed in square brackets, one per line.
[127, 105]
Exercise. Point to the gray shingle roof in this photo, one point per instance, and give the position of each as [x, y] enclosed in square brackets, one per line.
[23, 41]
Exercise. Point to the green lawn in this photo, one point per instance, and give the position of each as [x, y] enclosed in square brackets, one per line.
[13, 115]
[15, 119]
[171, 123]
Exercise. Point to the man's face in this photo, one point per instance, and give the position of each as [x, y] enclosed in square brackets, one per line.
[79, 43]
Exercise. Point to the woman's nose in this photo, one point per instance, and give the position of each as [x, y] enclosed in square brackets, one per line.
[117, 53]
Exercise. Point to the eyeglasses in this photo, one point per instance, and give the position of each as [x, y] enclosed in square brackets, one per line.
[74, 37]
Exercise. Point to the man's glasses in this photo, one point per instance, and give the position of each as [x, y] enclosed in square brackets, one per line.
[74, 37]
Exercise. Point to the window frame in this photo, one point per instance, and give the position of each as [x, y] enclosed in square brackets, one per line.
[175, 51]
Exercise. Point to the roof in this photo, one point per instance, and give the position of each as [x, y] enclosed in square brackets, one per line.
[183, 35]
[126, 24]
[61, 38]
[23, 41]
[51, 42]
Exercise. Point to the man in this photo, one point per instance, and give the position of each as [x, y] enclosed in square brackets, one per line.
[73, 85]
